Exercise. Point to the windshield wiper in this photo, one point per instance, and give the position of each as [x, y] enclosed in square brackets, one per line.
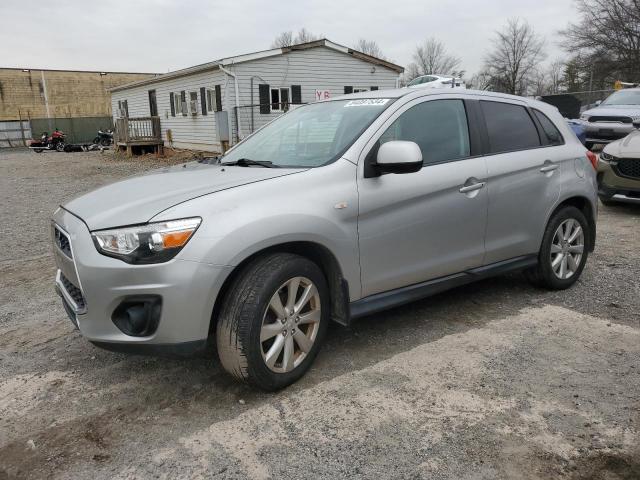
[247, 162]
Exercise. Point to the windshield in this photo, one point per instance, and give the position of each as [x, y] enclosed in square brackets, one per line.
[623, 97]
[309, 136]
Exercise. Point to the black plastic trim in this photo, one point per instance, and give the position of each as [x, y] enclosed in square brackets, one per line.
[399, 296]
[184, 349]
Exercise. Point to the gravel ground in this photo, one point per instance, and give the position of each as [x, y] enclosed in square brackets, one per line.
[489, 381]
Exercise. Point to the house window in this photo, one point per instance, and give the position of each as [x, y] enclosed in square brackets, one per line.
[123, 108]
[360, 89]
[193, 103]
[211, 100]
[280, 99]
[177, 99]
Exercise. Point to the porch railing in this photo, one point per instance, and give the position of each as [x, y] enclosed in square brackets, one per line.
[138, 130]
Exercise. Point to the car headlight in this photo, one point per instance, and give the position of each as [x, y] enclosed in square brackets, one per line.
[608, 158]
[150, 243]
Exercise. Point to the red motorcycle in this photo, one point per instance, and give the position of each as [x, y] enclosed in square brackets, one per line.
[55, 141]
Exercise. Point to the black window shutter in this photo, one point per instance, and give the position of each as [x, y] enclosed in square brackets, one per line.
[296, 94]
[265, 106]
[203, 100]
[126, 108]
[348, 89]
[173, 106]
[183, 97]
[374, 88]
[218, 98]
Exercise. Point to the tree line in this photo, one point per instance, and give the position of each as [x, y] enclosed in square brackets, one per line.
[602, 46]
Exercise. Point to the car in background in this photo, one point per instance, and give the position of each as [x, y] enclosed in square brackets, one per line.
[578, 128]
[619, 169]
[436, 81]
[613, 118]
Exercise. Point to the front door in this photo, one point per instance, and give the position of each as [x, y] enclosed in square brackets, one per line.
[420, 226]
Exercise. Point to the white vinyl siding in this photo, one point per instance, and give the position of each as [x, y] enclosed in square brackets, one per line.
[319, 68]
[198, 132]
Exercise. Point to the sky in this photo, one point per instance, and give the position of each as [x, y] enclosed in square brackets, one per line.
[162, 35]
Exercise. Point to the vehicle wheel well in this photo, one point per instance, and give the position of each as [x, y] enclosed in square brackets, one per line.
[320, 255]
[584, 205]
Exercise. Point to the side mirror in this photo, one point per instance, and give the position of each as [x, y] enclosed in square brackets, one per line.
[399, 156]
[598, 102]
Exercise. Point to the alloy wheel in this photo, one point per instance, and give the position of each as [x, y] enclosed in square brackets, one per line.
[290, 324]
[567, 248]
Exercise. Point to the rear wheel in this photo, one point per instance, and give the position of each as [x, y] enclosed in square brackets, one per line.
[273, 321]
[564, 252]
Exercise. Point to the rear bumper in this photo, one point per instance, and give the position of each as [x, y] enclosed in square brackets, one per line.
[188, 290]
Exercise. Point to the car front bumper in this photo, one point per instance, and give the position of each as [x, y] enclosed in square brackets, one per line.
[92, 286]
[611, 184]
[605, 132]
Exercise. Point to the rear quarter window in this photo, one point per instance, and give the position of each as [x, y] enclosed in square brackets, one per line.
[551, 132]
[509, 127]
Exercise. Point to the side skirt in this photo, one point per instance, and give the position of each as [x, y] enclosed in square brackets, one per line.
[382, 301]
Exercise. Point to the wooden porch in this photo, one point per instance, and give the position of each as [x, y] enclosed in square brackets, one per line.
[138, 133]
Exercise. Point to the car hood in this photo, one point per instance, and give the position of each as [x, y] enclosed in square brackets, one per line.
[627, 147]
[614, 111]
[138, 199]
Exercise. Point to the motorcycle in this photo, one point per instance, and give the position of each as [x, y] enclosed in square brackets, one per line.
[55, 141]
[104, 138]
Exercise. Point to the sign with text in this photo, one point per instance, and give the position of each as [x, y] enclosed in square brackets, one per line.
[322, 95]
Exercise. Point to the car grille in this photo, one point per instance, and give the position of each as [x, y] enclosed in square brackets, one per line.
[73, 291]
[629, 167]
[62, 241]
[611, 119]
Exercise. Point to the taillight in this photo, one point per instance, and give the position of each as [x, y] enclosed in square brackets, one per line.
[593, 158]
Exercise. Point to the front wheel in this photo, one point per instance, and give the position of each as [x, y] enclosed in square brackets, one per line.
[60, 147]
[273, 321]
[564, 250]
[105, 142]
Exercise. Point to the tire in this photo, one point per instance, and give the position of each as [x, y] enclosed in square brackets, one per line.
[60, 146]
[38, 150]
[96, 141]
[544, 274]
[247, 308]
[105, 142]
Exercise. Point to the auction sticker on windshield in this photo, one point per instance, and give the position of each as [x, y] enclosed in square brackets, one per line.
[366, 102]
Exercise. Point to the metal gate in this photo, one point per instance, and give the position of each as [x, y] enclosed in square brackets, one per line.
[14, 133]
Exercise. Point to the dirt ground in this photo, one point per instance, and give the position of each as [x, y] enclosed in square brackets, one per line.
[496, 380]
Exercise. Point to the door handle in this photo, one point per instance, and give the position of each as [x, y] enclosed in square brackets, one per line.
[548, 167]
[472, 187]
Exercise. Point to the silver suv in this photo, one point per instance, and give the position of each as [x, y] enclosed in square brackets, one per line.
[612, 119]
[333, 211]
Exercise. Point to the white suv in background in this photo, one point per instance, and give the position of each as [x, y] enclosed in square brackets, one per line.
[436, 81]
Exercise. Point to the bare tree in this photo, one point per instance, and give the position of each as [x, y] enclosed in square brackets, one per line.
[369, 47]
[555, 72]
[286, 39]
[607, 39]
[517, 51]
[481, 81]
[432, 58]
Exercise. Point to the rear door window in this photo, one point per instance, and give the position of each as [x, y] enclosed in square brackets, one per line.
[509, 127]
[551, 132]
[439, 127]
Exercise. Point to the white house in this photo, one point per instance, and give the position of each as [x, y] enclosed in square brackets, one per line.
[223, 101]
